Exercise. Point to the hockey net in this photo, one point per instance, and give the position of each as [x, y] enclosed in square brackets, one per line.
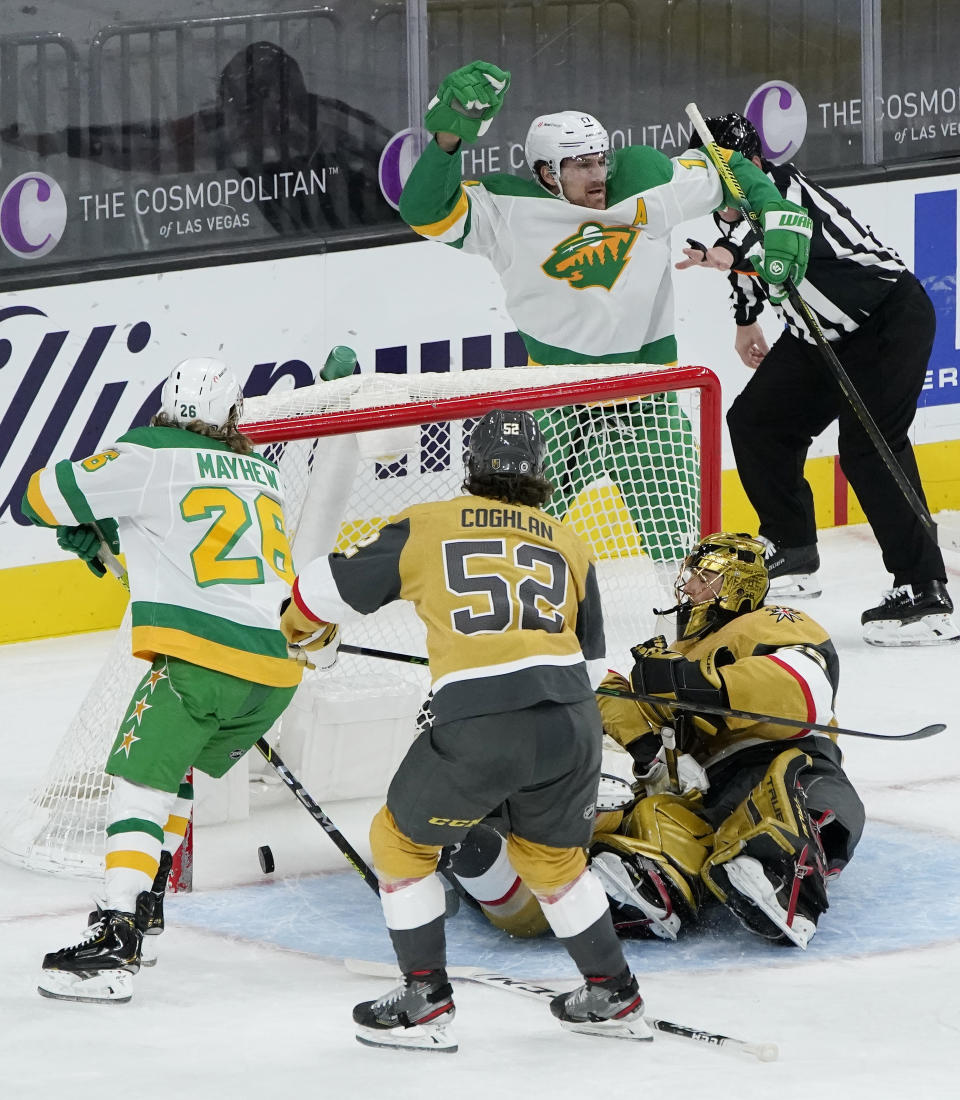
[634, 454]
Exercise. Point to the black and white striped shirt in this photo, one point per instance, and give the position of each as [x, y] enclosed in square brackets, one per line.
[850, 272]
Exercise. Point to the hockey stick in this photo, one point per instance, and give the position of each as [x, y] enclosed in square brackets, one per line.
[813, 327]
[765, 1052]
[109, 559]
[694, 708]
[356, 861]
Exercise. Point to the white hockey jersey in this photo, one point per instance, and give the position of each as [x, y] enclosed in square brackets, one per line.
[581, 285]
[203, 533]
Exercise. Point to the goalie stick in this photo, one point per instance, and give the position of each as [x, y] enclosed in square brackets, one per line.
[695, 708]
[812, 325]
[765, 1052]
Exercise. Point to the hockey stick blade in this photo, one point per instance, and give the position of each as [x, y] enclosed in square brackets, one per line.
[696, 708]
[765, 1052]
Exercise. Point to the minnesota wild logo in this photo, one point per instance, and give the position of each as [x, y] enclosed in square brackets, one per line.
[593, 256]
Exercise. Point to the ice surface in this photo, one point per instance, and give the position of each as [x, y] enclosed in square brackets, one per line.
[250, 997]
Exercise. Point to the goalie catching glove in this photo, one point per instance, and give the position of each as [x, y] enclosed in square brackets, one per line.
[660, 672]
[85, 542]
[309, 636]
[787, 229]
[467, 101]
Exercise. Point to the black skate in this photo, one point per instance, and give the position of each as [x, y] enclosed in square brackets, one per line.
[604, 1006]
[792, 571]
[150, 911]
[414, 1016]
[911, 615]
[100, 967]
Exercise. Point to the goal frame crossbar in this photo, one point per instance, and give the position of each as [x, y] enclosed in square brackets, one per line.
[411, 413]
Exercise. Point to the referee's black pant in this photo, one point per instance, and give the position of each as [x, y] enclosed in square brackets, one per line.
[793, 396]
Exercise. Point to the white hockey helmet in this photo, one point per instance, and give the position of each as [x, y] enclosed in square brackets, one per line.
[201, 389]
[553, 138]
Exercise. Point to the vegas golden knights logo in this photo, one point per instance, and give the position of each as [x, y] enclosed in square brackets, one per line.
[593, 256]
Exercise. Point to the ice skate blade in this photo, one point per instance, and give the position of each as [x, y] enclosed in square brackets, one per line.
[636, 1029]
[930, 630]
[105, 987]
[611, 872]
[438, 1038]
[746, 876]
[799, 586]
[149, 951]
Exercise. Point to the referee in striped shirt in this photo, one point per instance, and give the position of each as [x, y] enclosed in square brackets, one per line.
[881, 324]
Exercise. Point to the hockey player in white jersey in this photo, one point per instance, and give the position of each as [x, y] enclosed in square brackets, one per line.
[582, 250]
[200, 518]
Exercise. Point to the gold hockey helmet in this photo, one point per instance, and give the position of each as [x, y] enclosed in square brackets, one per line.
[738, 560]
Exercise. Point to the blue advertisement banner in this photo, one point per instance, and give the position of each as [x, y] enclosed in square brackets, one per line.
[935, 264]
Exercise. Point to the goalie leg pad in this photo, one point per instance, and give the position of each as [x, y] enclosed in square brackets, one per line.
[651, 868]
[770, 836]
[672, 833]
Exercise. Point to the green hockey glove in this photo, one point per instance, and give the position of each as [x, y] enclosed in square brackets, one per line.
[787, 230]
[467, 101]
[85, 542]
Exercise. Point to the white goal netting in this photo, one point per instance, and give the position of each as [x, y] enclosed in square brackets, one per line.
[634, 456]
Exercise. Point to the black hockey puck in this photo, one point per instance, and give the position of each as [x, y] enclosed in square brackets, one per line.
[266, 859]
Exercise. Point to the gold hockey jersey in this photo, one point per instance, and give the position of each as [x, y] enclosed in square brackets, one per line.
[784, 665]
[507, 593]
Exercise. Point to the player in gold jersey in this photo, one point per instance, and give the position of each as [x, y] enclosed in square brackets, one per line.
[764, 815]
[515, 642]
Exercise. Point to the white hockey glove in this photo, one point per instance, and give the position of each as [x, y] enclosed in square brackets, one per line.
[309, 636]
[320, 650]
[656, 779]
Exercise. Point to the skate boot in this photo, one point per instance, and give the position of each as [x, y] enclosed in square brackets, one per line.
[911, 615]
[100, 967]
[150, 911]
[792, 571]
[414, 1016]
[604, 1006]
[777, 907]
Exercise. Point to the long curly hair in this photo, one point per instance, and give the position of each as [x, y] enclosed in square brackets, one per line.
[229, 433]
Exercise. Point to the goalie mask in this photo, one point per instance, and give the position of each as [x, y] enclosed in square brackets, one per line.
[732, 566]
[552, 139]
[733, 131]
[201, 389]
[506, 442]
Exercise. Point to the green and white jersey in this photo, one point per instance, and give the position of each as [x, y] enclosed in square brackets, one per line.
[581, 285]
[203, 533]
